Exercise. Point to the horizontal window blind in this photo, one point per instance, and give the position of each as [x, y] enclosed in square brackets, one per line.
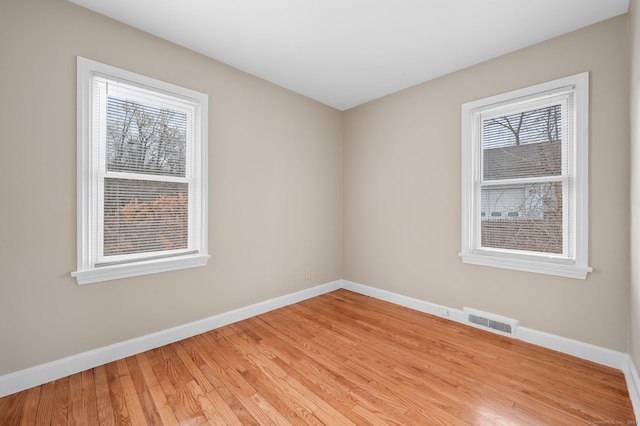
[145, 216]
[523, 217]
[525, 144]
[145, 139]
[523, 173]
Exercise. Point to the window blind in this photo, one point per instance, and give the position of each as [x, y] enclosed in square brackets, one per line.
[524, 177]
[144, 156]
[145, 139]
[142, 216]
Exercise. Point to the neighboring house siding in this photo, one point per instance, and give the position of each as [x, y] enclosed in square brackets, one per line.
[526, 212]
[521, 161]
[509, 234]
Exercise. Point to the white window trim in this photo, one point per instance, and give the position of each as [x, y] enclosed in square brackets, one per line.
[578, 266]
[86, 271]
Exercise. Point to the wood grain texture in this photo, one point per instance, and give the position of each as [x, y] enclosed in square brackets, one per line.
[337, 359]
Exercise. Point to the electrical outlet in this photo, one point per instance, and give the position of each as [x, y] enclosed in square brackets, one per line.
[307, 274]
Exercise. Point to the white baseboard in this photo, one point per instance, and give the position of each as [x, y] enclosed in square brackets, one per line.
[34, 376]
[633, 384]
[407, 302]
[575, 348]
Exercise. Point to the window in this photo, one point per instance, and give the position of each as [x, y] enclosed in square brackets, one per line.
[142, 175]
[524, 179]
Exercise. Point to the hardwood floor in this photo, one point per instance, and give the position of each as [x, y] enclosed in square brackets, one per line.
[338, 359]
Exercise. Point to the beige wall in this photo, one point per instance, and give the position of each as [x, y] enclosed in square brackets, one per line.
[276, 203]
[275, 180]
[402, 192]
[634, 329]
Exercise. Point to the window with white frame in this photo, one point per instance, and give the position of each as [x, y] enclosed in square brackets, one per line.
[525, 179]
[142, 174]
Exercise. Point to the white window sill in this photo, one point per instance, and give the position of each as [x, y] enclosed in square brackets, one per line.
[569, 270]
[114, 272]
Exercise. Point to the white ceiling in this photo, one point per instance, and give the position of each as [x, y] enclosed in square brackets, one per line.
[347, 52]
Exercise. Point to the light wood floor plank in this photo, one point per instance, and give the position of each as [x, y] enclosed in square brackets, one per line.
[89, 401]
[157, 395]
[337, 359]
[129, 393]
[30, 408]
[59, 410]
[12, 410]
[118, 401]
[142, 391]
[312, 375]
[103, 399]
[76, 409]
[213, 406]
[45, 404]
[183, 404]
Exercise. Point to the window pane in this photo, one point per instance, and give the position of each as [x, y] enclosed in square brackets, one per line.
[144, 216]
[524, 217]
[526, 144]
[145, 139]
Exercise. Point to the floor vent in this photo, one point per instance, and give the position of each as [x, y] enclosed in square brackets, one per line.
[491, 322]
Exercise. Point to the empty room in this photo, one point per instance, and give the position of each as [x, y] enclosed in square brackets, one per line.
[335, 212]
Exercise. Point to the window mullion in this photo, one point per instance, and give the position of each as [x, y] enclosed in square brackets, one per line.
[149, 177]
[538, 179]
